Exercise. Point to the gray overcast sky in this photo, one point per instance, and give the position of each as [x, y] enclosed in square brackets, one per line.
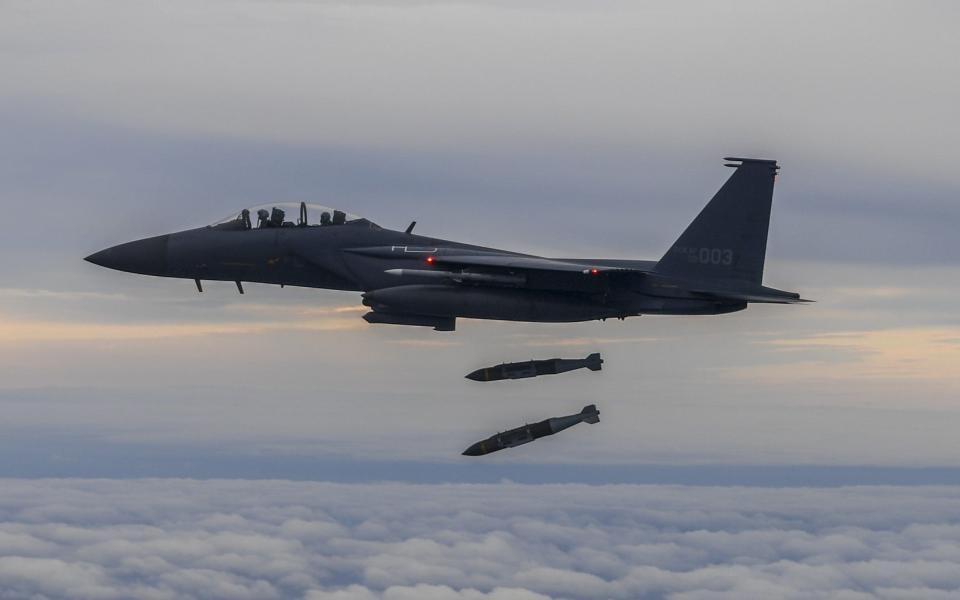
[557, 128]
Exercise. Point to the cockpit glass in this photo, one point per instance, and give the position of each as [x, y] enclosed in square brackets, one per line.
[289, 214]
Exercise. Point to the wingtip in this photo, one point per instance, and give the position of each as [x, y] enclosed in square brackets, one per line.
[742, 159]
[737, 162]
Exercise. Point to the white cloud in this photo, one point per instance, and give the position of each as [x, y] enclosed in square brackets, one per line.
[173, 539]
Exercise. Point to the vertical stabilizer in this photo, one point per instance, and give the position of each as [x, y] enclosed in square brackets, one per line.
[728, 239]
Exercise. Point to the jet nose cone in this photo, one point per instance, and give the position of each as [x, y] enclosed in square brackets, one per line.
[101, 259]
[147, 257]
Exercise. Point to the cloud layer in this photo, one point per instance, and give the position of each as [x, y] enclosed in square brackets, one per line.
[161, 539]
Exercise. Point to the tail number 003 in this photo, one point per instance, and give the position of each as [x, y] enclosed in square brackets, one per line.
[710, 256]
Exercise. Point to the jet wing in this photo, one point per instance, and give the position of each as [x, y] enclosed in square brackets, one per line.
[522, 263]
[531, 272]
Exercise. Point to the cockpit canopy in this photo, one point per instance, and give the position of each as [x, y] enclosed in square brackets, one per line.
[290, 214]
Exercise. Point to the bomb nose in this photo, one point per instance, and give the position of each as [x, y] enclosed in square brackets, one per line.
[147, 256]
[474, 450]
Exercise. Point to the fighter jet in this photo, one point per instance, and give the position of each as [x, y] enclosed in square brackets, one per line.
[714, 267]
[535, 368]
[528, 433]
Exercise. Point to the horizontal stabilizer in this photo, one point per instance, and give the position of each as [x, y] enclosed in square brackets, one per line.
[761, 295]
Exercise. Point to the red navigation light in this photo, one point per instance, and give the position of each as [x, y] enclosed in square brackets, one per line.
[594, 271]
[429, 260]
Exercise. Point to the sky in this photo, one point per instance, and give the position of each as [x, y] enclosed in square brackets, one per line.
[555, 128]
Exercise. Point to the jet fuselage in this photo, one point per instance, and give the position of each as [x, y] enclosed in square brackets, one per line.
[715, 267]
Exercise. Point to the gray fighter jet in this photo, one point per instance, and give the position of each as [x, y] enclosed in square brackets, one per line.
[528, 433]
[715, 267]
